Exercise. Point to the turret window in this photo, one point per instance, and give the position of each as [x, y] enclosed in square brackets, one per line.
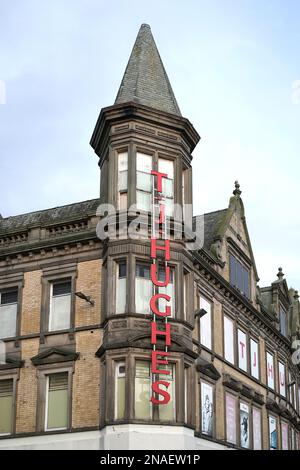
[167, 167]
[122, 180]
[121, 283]
[143, 181]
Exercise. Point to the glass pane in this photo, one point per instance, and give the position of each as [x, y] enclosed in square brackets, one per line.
[123, 161]
[122, 269]
[239, 274]
[244, 425]
[144, 181]
[232, 261]
[60, 288]
[142, 390]
[6, 403]
[167, 188]
[256, 429]
[169, 207]
[122, 201]
[167, 412]
[8, 320]
[143, 201]
[166, 166]
[143, 162]
[205, 324]
[143, 294]
[57, 409]
[120, 397]
[231, 418]
[9, 297]
[60, 310]
[272, 432]
[207, 409]
[142, 270]
[121, 295]
[228, 340]
[246, 282]
[122, 183]
[169, 290]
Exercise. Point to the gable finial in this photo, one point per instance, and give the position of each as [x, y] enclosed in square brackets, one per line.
[280, 274]
[237, 191]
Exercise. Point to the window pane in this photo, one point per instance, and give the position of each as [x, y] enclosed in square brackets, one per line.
[167, 412]
[272, 432]
[120, 391]
[228, 340]
[142, 390]
[256, 429]
[254, 358]
[6, 406]
[143, 294]
[270, 370]
[232, 261]
[246, 282]
[207, 409]
[142, 270]
[144, 181]
[8, 320]
[143, 162]
[205, 324]
[284, 436]
[169, 290]
[230, 418]
[239, 275]
[9, 297]
[122, 183]
[167, 188]
[143, 201]
[244, 425]
[166, 166]
[122, 201]
[281, 370]
[60, 310]
[169, 207]
[122, 161]
[242, 349]
[60, 288]
[57, 417]
[121, 288]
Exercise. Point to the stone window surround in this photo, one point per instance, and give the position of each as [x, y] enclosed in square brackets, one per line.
[13, 374]
[52, 274]
[212, 383]
[42, 372]
[14, 281]
[129, 358]
[209, 298]
[131, 260]
[132, 148]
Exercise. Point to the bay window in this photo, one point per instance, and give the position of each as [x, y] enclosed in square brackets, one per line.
[121, 283]
[122, 180]
[144, 182]
[6, 406]
[57, 401]
[60, 305]
[120, 375]
[8, 313]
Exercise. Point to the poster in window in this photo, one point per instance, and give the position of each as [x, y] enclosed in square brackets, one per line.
[254, 358]
[270, 370]
[205, 323]
[244, 425]
[228, 340]
[242, 348]
[284, 436]
[272, 432]
[207, 409]
[256, 429]
[230, 418]
[281, 371]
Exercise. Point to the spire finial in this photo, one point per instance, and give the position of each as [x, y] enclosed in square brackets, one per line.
[296, 295]
[237, 191]
[280, 274]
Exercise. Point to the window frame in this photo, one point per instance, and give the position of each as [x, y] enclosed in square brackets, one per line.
[234, 328]
[211, 303]
[52, 283]
[246, 267]
[256, 340]
[268, 351]
[270, 415]
[14, 375]
[16, 282]
[47, 405]
[212, 384]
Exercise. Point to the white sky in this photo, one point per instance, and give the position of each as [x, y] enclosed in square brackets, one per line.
[232, 66]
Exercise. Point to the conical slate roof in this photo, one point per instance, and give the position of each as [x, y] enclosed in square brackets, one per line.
[145, 80]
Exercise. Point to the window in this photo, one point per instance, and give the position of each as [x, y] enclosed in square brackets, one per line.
[207, 409]
[242, 349]
[120, 390]
[282, 321]
[57, 401]
[230, 418]
[144, 289]
[185, 294]
[281, 376]
[256, 424]
[167, 167]
[270, 370]
[186, 374]
[143, 409]
[244, 426]
[122, 180]
[284, 436]
[6, 406]
[143, 181]
[8, 313]
[60, 305]
[272, 432]
[239, 276]
[228, 340]
[205, 323]
[254, 358]
[121, 287]
[143, 380]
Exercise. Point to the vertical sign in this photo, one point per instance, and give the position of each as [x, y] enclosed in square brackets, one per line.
[254, 359]
[270, 370]
[160, 277]
[207, 409]
[281, 374]
[244, 425]
[242, 348]
[230, 418]
[256, 429]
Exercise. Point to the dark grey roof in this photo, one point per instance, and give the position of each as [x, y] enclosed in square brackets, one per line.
[145, 80]
[212, 221]
[74, 212]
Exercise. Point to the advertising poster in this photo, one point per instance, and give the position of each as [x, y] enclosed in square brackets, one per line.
[272, 432]
[230, 418]
[256, 429]
[284, 436]
[244, 425]
[207, 408]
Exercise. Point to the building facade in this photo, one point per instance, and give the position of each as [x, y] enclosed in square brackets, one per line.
[75, 321]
